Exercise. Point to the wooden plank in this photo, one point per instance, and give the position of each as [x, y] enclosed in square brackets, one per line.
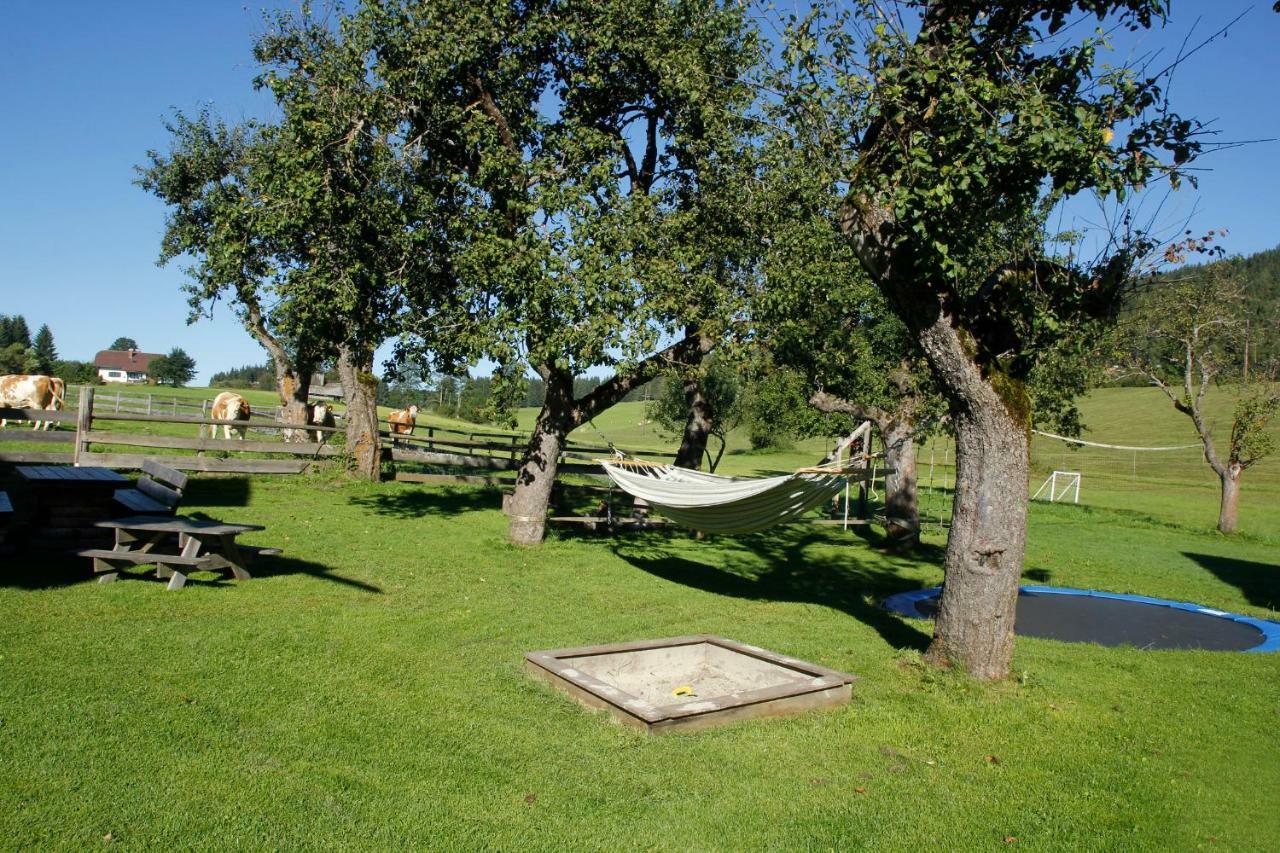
[158, 492]
[141, 558]
[62, 417]
[831, 522]
[199, 463]
[135, 501]
[195, 419]
[177, 442]
[21, 457]
[84, 422]
[496, 463]
[38, 435]
[164, 474]
[411, 477]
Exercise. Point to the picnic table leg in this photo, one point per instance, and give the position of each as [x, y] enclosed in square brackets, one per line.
[234, 556]
[178, 579]
[106, 571]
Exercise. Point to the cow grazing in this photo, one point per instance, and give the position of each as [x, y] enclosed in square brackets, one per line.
[403, 421]
[21, 391]
[320, 414]
[229, 406]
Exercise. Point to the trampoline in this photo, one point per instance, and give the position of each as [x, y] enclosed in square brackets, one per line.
[1114, 619]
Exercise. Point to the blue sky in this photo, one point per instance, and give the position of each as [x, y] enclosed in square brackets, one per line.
[86, 86]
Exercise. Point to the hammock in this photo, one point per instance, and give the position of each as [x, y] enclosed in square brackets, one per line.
[719, 504]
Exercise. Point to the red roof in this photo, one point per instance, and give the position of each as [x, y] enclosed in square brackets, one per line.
[129, 360]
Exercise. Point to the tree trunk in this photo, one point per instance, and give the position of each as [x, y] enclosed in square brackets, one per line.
[293, 382]
[693, 445]
[359, 387]
[983, 564]
[1230, 507]
[901, 508]
[294, 389]
[528, 507]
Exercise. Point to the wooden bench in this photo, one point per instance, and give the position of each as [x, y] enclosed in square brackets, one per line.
[159, 490]
[202, 545]
[108, 564]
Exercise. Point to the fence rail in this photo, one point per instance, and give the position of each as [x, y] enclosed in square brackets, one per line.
[93, 442]
[113, 447]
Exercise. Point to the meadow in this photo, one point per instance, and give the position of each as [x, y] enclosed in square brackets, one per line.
[366, 688]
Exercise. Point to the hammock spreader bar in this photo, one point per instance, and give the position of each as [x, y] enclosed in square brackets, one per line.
[718, 504]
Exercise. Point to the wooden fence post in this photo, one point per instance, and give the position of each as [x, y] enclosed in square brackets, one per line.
[84, 423]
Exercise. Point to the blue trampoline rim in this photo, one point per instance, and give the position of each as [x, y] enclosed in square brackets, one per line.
[904, 604]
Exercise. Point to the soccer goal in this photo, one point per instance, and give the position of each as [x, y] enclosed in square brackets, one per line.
[1059, 484]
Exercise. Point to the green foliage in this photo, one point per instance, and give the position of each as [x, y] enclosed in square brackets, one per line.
[776, 410]
[176, 368]
[721, 388]
[45, 353]
[1250, 439]
[76, 372]
[17, 358]
[122, 344]
[249, 376]
[957, 130]
[595, 153]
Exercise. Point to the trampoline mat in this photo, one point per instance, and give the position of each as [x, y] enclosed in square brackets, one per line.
[1116, 622]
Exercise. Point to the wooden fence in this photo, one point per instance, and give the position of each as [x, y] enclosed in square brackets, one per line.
[91, 422]
[94, 441]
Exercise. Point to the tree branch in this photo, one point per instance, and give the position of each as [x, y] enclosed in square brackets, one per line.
[830, 404]
[687, 350]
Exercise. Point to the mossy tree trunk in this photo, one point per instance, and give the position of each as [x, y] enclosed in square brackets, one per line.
[359, 389]
[974, 628]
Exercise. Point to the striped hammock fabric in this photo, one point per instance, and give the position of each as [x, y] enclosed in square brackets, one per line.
[718, 504]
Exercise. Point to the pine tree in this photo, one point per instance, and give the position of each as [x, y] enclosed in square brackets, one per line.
[46, 353]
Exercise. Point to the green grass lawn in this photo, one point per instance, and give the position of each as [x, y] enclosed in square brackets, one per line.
[366, 688]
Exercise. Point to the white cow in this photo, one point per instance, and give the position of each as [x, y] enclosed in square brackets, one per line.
[229, 406]
[22, 391]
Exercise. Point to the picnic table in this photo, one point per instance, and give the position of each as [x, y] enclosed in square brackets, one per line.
[67, 501]
[176, 546]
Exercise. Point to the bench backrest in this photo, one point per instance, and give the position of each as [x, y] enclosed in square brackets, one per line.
[162, 483]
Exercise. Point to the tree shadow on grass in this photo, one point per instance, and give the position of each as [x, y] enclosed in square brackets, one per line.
[1260, 582]
[789, 564]
[219, 491]
[416, 503]
[25, 570]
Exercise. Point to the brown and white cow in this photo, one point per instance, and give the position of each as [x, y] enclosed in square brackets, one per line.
[22, 391]
[229, 406]
[320, 414]
[402, 421]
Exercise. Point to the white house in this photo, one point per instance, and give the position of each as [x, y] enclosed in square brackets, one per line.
[123, 365]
